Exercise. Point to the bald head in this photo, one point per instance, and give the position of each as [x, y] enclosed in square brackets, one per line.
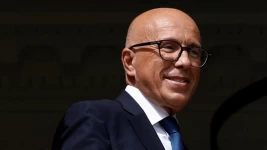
[159, 33]
[147, 25]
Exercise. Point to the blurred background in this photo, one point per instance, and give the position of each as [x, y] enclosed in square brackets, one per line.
[53, 54]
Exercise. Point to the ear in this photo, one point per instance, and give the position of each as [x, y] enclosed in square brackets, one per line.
[128, 58]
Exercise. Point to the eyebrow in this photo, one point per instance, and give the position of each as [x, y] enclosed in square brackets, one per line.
[194, 45]
[190, 45]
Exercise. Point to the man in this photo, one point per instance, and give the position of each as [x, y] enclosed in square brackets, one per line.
[162, 61]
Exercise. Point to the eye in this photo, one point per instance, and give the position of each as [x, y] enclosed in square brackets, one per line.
[195, 52]
[169, 46]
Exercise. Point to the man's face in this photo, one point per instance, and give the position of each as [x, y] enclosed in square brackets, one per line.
[168, 84]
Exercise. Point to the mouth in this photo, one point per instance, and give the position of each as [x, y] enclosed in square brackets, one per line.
[178, 81]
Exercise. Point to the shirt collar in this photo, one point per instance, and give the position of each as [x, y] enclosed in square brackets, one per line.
[153, 112]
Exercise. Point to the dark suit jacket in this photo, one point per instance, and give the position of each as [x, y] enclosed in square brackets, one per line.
[118, 124]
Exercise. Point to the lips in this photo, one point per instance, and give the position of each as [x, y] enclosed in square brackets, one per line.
[177, 82]
[178, 79]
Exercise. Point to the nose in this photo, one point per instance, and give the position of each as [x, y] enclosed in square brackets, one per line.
[183, 61]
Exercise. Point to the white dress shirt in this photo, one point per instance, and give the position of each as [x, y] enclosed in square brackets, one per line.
[153, 112]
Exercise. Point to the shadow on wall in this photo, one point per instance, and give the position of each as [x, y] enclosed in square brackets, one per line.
[39, 67]
[232, 105]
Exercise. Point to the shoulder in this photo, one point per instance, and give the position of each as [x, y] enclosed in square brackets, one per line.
[96, 108]
[94, 105]
[85, 119]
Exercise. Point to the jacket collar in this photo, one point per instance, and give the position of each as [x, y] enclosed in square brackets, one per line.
[140, 122]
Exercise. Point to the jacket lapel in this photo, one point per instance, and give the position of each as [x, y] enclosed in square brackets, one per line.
[140, 122]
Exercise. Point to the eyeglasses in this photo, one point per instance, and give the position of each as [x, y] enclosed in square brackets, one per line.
[171, 51]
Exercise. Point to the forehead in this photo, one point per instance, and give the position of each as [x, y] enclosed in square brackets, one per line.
[185, 32]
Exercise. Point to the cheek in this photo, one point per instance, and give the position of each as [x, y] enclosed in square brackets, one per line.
[156, 67]
[149, 62]
[151, 67]
[196, 75]
[154, 71]
[144, 67]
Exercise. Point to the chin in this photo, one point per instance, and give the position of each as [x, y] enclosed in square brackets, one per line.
[177, 102]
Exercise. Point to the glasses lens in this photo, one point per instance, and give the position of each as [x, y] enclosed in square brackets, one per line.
[204, 57]
[169, 50]
[198, 57]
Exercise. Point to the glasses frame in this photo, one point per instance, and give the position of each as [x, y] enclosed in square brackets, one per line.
[182, 49]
